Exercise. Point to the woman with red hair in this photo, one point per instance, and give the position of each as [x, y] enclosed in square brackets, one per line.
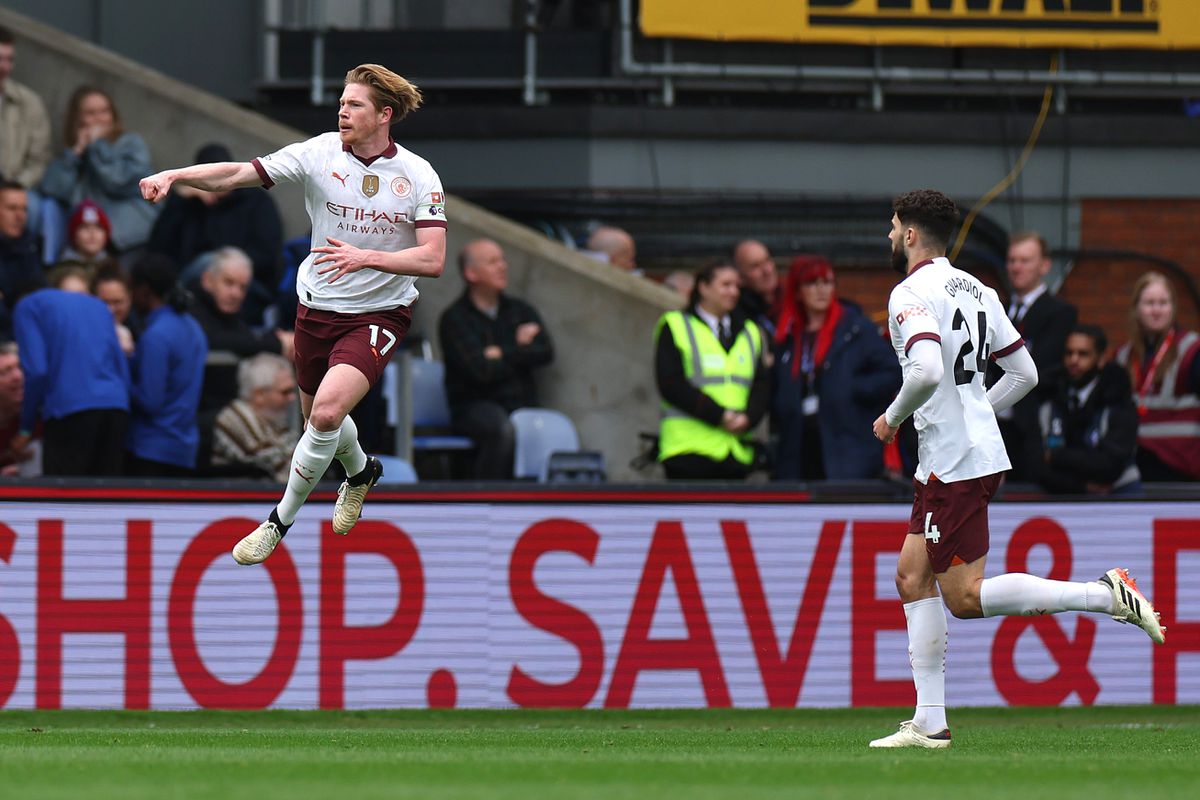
[834, 374]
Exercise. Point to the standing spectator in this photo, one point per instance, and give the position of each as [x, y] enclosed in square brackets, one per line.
[12, 393]
[223, 290]
[759, 283]
[103, 163]
[76, 379]
[24, 124]
[20, 261]
[88, 236]
[111, 285]
[710, 371]
[1088, 423]
[1164, 365]
[194, 223]
[1043, 322]
[615, 246]
[492, 343]
[168, 370]
[834, 374]
[252, 434]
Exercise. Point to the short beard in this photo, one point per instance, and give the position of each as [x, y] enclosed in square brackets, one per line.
[900, 262]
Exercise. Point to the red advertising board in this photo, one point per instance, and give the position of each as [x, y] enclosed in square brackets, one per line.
[581, 604]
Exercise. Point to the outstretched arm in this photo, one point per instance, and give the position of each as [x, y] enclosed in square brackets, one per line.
[220, 177]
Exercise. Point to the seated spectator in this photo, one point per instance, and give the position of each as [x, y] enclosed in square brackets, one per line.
[758, 281]
[88, 233]
[218, 306]
[710, 369]
[76, 380]
[253, 435]
[111, 285]
[167, 372]
[492, 344]
[1163, 362]
[102, 163]
[20, 260]
[12, 393]
[193, 223]
[1088, 422]
[834, 374]
[616, 246]
[24, 124]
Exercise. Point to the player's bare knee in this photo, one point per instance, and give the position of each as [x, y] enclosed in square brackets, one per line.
[912, 587]
[324, 418]
[962, 605]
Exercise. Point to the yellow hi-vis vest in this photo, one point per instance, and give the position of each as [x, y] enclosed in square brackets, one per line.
[726, 377]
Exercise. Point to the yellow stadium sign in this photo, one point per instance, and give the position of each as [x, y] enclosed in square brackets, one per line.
[1138, 24]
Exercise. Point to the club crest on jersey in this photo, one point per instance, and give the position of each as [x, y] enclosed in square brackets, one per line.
[401, 187]
[370, 185]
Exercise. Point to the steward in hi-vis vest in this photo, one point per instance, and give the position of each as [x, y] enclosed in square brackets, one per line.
[724, 375]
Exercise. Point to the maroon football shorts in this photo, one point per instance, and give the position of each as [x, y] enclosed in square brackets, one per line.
[953, 518]
[366, 342]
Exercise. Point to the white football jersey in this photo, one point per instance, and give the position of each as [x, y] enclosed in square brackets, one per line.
[957, 435]
[374, 204]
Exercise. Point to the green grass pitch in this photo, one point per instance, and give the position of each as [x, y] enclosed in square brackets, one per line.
[1058, 753]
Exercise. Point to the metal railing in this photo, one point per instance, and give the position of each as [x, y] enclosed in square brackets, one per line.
[319, 17]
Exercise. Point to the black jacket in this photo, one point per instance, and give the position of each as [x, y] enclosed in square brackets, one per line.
[466, 332]
[1098, 439]
[246, 218]
[226, 333]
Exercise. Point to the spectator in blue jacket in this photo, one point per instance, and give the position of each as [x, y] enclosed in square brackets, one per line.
[168, 373]
[834, 374]
[102, 162]
[76, 378]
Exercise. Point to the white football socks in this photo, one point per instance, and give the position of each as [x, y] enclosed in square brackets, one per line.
[309, 462]
[927, 635]
[1017, 594]
[349, 452]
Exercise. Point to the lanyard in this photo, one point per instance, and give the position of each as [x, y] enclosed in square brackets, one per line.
[1148, 376]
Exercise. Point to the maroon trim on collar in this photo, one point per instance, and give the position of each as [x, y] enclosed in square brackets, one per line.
[388, 152]
[920, 264]
[262, 174]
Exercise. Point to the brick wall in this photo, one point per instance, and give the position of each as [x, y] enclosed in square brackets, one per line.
[1101, 290]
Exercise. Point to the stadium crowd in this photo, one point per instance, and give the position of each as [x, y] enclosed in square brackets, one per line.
[154, 341]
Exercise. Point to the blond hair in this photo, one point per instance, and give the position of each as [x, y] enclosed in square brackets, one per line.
[1137, 342]
[387, 89]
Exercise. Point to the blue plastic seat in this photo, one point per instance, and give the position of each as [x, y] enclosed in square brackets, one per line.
[396, 470]
[540, 432]
[431, 410]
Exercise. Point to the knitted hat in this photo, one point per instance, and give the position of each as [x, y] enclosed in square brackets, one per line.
[88, 213]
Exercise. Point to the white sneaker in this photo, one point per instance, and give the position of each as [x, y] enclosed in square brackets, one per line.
[1132, 606]
[909, 736]
[348, 507]
[255, 548]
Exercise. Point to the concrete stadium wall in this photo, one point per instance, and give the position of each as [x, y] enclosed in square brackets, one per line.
[601, 319]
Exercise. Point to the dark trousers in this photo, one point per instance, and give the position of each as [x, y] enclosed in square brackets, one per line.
[488, 425]
[88, 443]
[145, 468]
[692, 467]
